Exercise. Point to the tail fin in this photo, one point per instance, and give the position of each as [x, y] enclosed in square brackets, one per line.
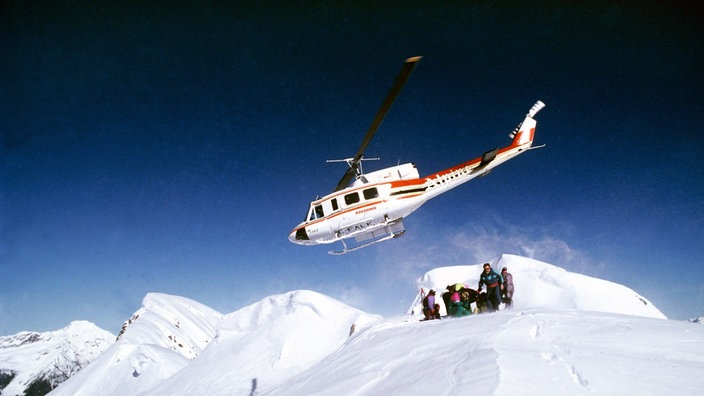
[523, 133]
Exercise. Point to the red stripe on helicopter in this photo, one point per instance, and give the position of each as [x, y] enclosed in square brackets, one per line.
[347, 210]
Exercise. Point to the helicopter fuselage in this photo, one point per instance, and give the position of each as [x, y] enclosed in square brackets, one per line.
[376, 203]
[373, 206]
[362, 208]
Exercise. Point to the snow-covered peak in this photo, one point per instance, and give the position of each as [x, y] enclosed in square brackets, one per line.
[304, 305]
[267, 342]
[172, 322]
[157, 341]
[51, 356]
[305, 343]
[544, 286]
[270, 340]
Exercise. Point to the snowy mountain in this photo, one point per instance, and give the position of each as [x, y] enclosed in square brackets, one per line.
[540, 285]
[160, 339]
[268, 341]
[561, 337]
[43, 360]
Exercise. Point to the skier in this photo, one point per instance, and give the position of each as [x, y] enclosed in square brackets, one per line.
[494, 285]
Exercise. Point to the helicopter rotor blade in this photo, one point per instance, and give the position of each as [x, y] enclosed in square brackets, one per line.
[398, 84]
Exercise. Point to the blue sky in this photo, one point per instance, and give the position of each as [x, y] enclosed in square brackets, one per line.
[172, 148]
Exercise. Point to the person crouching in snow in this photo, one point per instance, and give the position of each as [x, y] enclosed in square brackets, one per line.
[456, 308]
[494, 284]
[431, 310]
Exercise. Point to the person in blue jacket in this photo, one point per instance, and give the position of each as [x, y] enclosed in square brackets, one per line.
[494, 283]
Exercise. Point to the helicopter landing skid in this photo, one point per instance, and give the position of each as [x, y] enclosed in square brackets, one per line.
[352, 249]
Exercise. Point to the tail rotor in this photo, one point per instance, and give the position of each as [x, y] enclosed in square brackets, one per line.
[531, 113]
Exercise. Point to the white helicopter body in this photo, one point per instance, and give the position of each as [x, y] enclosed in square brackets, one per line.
[372, 208]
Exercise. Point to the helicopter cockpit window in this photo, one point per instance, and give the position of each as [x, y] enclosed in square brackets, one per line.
[371, 193]
[316, 213]
[352, 198]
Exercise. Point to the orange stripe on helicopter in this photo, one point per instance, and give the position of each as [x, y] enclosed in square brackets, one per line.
[338, 213]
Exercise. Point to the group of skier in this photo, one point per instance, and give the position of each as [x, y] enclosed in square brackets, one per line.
[459, 297]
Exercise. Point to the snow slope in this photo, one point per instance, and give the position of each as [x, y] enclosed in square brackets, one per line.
[54, 355]
[557, 339]
[533, 352]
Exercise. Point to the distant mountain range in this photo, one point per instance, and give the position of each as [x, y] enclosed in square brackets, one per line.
[34, 363]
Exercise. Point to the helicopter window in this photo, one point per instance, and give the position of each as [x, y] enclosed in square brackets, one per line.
[352, 198]
[316, 213]
[371, 193]
[334, 204]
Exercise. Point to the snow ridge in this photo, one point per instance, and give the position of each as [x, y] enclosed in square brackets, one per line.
[269, 341]
[265, 342]
[159, 340]
[545, 286]
[560, 337]
[50, 357]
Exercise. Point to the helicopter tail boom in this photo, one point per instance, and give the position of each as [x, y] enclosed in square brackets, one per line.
[450, 178]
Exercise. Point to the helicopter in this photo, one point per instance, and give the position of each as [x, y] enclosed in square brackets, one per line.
[369, 208]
